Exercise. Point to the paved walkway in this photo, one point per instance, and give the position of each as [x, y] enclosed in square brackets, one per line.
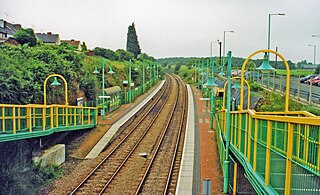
[209, 157]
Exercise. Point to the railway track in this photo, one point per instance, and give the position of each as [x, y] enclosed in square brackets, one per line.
[121, 171]
[162, 173]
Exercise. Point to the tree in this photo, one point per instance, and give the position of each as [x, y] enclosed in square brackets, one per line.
[317, 71]
[84, 47]
[25, 36]
[132, 41]
[144, 56]
[123, 55]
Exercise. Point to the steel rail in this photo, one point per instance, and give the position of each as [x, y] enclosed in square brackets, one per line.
[161, 141]
[122, 141]
[135, 146]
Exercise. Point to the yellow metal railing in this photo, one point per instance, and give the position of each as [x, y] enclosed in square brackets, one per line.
[15, 119]
[281, 147]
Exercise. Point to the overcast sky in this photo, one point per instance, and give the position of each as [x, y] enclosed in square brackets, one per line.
[184, 28]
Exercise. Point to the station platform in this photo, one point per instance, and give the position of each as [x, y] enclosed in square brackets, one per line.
[118, 119]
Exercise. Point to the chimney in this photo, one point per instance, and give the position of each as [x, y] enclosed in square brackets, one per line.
[72, 39]
[49, 33]
[2, 23]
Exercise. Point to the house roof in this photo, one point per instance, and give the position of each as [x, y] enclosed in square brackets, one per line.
[112, 90]
[47, 38]
[9, 28]
[71, 42]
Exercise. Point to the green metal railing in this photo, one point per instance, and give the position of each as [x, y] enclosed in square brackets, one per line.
[27, 121]
[280, 151]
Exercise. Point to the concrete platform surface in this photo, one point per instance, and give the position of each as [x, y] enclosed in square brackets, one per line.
[185, 180]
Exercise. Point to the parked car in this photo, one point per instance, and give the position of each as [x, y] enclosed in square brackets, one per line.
[314, 81]
[254, 75]
[306, 78]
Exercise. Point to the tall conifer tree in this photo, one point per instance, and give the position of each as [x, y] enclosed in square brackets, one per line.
[132, 41]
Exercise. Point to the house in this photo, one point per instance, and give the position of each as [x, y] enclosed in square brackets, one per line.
[8, 29]
[49, 38]
[73, 43]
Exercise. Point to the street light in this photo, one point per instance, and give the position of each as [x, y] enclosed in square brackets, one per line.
[314, 53]
[269, 26]
[228, 128]
[224, 43]
[55, 83]
[103, 85]
[315, 35]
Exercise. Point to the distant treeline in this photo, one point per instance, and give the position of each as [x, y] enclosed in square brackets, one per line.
[236, 62]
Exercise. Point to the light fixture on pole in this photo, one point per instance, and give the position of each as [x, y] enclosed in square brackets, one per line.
[110, 71]
[210, 84]
[315, 35]
[236, 85]
[265, 66]
[55, 82]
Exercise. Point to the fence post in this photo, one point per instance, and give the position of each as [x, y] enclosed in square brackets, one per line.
[299, 84]
[310, 91]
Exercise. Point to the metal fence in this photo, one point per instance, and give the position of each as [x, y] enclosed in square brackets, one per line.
[280, 151]
[26, 121]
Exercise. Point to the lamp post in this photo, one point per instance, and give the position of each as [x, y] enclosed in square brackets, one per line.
[129, 92]
[228, 127]
[224, 43]
[199, 74]
[315, 36]
[269, 27]
[143, 90]
[220, 60]
[314, 53]
[103, 86]
[55, 83]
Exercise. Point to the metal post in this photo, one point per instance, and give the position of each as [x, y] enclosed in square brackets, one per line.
[102, 110]
[129, 94]
[150, 76]
[310, 91]
[220, 53]
[207, 90]
[228, 127]
[143, 78]
[212, 97]
[198, 74]
[269, 21]
[269, 26]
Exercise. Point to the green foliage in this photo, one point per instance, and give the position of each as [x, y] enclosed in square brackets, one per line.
[25, 36]
[273, 102]
[45, 174]
[89, 84]
[254, 86]
[123, 55]
[145, 56]
[84, 47]
[301, 72]
[317, 71]
[132, 41]
[24, 69]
